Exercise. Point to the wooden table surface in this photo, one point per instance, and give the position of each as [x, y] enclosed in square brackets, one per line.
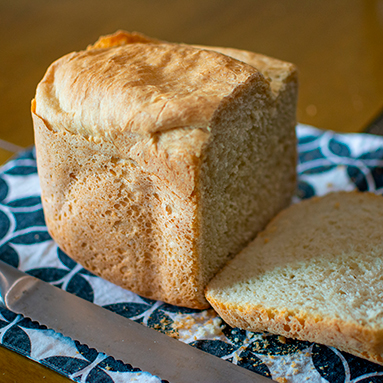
[336, 44]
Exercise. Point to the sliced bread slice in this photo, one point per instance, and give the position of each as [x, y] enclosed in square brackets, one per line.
[315, 273]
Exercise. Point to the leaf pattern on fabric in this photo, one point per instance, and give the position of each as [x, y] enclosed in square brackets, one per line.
[250, 361]
[116, 365]
[4, 224]
[12, 331]
[70, 263]
[373, 155]
[235, 335]
[159, 321]
[178, 309]
[9, 255]
[92, 367]
[79, 286]
[31, 237]
[63, 278]
[305, 190]
[128, 310]
[307, 139]
[25, 202]
[26, 220]
[97, 375]
[338, 148]
[328, 364]
[65, 260]
[358, 177]
[8, 316]
[277, 345]
[358, 367]
[311, 155]
[48, 274]
[87, 352]
[16, 338]
[377, 175]
[318, 169]
[214, 347]
[21, 170]
[3, 189]
[65, 364]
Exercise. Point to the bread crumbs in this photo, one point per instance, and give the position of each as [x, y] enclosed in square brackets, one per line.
[204, 325]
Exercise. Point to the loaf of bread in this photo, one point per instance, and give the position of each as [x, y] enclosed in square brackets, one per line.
[315, 274]
[159, 162]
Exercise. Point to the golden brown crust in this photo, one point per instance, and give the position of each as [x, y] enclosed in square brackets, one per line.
[113, 226]
[120, 151]
[127, 103]
[165, 86]
[349, 337]
[121, 38]
[279, 72]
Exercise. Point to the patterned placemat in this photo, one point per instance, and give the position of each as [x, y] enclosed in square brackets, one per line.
[327, 162]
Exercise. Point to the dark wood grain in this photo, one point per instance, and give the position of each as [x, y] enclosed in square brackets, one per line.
[15, 368]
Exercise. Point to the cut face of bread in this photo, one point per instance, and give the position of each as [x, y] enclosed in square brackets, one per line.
[158, 162]
[314, 274]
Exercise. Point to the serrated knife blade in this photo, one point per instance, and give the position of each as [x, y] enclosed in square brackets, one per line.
[113, 334]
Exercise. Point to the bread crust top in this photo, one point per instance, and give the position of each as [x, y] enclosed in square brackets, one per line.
[139, 86]
[153, 102]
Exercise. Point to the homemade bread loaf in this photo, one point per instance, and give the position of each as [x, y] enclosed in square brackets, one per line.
[158, 162]
[315, 273]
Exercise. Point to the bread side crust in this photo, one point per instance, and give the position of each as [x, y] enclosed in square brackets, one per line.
[355, 339]
[111, 229]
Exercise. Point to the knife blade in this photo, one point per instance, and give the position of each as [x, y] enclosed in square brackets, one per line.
[113, 334]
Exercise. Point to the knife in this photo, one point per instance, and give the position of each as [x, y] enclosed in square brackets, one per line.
[113, 334]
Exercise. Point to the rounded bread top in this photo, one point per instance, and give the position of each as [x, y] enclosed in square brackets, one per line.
[139, 88]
